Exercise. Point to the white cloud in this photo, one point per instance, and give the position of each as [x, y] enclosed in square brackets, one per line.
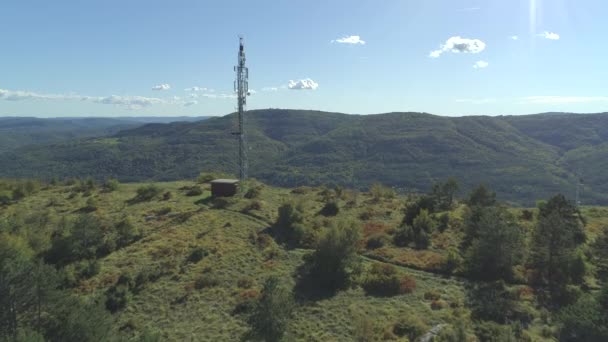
[481, 65]
[198, 89]
[219, 96]
[131, 102]
[164, 86]
[306, 83]
[563, 99]
[469, 9]
[549, 35]
[18, 95]
[514, 37]
[349, 40]
[270, 89]
[252, 91]
[458, 44]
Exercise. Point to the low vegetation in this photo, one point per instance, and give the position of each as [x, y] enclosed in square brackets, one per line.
[89, 262]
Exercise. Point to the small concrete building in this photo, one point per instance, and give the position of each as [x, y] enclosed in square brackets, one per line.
[224, 187]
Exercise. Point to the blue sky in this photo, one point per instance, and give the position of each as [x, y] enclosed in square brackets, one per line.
[446, 57]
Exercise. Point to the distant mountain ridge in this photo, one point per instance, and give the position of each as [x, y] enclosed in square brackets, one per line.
[523, 158]
[21, 131]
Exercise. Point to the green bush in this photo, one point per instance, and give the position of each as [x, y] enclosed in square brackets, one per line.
[382, 280]
[194, 191]
[334, 262]
[197, 254]
[487, 331]
[271, 313]
[253, 192]
[146, 193]
[111, 184]
[403, 236]
[119, 295]
[206, 280]
[126, 233]
[377, 240]
[330, 208]
[410, 326]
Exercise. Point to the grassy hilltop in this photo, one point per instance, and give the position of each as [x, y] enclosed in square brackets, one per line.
[172, 263]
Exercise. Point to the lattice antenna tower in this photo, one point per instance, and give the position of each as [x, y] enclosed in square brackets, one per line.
[241, 87]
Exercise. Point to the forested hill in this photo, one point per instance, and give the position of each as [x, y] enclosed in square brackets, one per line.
[523, 157]
[21, 131]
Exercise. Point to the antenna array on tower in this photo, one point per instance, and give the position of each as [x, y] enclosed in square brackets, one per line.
[241, 87]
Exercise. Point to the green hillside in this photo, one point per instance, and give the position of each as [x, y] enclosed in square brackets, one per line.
[168, 262]
[22, 131]
[523, 157]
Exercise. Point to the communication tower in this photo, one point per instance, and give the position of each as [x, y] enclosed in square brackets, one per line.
[241, 87]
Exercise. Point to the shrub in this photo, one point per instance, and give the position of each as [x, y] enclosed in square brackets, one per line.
[117, 297]
[407, 284]
[432, 295]
[206, 177]
[330, 208]
[146, 193]
[18, 194]
[410, 326]
[403, 236]
[91, 205]
[527, 215]
[253, 192]
[245, 282]
[111, 184]
[4, 200]
[197, 254]
[439, 304]
[272, 312]
[126, 233]
[206, 280]
[380, 191]
[490, 331]
[423, 226]
[452, 262]
[253, 205]
[289, 224]
[382, 280]
[167, 196]
[194, 191]
[334, 261]
[443, 222]
[377, 240]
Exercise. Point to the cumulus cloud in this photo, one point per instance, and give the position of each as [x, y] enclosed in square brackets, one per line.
[199, 89]
[353, 40]
[549, 35]
[514, 37]
[219, 96]
[470, 9]
[306, 83]
[481, 65]
[458, 44]
[563, 99]
[164, 86]
[18, 95]
[131, 102]
[270, 89]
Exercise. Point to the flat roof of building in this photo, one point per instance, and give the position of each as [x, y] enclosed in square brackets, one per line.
[224, 181]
